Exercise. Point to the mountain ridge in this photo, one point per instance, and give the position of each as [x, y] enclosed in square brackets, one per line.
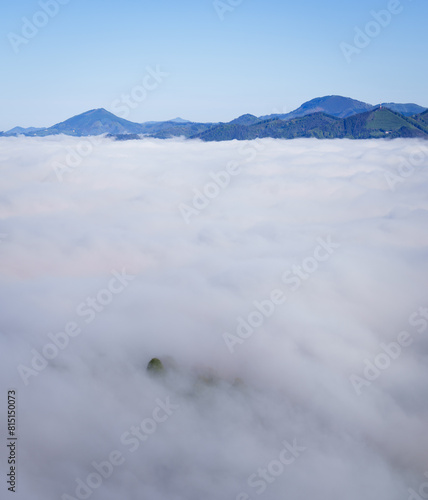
[320, 117]
[373, 124]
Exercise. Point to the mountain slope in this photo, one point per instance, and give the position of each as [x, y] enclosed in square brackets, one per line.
[227, 132]
[381, 122]
[422, 120]
[317, 125]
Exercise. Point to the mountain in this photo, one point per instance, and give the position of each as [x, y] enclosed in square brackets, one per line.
[93, 122]
[179, 120]
[409, 109]
[333, 105]
[245, 120]
[21, 130]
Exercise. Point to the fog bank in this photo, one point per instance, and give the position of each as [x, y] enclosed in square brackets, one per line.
[285, 279]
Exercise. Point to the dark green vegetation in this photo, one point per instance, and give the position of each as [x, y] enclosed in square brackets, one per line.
[326, 117]
[124, 137]
[379, 123]
[155, 366]
[198, 379]
[422, 119]
[383, 123]
[172, 129]
[316, 125]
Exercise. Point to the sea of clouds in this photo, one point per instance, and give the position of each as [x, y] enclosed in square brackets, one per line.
[283, 282]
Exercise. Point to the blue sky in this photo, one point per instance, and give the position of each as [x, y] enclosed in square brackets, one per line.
[262, 57]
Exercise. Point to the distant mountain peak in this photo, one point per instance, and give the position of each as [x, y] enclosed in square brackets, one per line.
[94, 122]
[246, 119]
[406, 109]
[333, 105]
[96, 111]
[179, 120]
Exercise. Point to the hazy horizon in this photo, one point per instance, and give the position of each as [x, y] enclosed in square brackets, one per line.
[275, 111]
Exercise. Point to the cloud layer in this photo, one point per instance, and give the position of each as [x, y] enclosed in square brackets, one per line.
[334, 230]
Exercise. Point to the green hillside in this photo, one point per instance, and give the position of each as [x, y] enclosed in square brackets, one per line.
[374, 124]
[316, 125]
[421, 120]
[385, 119]
[227, 132]
[381, 123]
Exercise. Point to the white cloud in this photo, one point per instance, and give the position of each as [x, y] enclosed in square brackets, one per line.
[118, 209]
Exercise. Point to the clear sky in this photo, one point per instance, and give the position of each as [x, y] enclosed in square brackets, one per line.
[263, 56]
